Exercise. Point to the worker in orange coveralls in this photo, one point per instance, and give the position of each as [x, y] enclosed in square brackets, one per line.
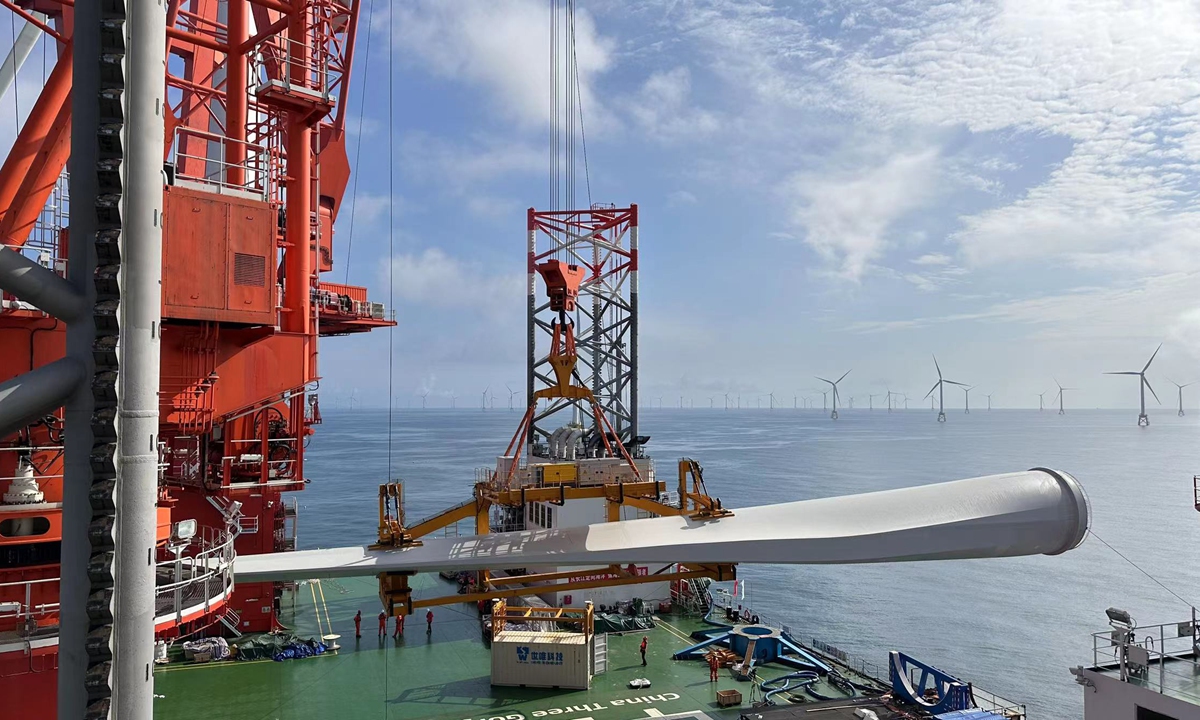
[358, 624]
[713, 666]
[643, 648]
[429, 622]
[382, 623]
[399, 626]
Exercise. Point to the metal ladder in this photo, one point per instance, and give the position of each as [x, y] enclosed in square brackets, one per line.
[231, 619]
[599, 653]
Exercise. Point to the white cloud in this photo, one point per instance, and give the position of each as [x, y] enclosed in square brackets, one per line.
[502, 47]
[681, 197]
[434, 279]
[475, 169]
[846, 216]
[663, 109]
[1115, 78]
[1147, 308]
[932, 259]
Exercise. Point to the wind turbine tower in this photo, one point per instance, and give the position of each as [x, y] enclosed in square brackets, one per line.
[989, 397]
[1061, 410]
[485, 392]
[1181, 387]
[1143, 383]
[834, 389]
[940, 386]
[967, 402]
[511, 394]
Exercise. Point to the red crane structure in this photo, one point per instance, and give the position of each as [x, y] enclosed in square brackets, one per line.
[217, 364]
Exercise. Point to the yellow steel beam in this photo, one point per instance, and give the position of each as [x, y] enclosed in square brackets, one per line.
[543, 577]
[611, 491]
[652, 506]
[721, 572]
[448, 517]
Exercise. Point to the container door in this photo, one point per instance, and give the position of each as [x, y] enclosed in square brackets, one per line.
[599, 653]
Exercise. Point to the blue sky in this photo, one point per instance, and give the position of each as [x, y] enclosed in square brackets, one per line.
[1011, 185]
[822, 186]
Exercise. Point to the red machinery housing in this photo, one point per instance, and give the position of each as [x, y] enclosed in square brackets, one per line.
[257, 94]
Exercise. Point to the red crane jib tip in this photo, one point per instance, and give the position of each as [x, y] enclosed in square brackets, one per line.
[562, 283]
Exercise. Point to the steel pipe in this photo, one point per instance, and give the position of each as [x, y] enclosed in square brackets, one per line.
[75, 585]
[37, 393]
[39, 286]
[141, 320]
[1027, 513]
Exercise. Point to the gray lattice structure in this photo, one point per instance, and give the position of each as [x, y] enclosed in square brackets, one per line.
[603, 241]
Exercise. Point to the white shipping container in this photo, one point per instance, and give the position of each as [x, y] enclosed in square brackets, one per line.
[541, 659]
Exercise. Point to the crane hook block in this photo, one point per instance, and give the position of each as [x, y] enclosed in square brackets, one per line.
[562, 284]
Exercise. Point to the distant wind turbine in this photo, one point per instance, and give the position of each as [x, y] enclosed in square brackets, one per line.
[940, 386]
[834, 385]
[967, 392]
[453, 401]
[1181, 387]
[1059, 397]
[485, 392]
[423, 396]
[511, 393]
[1143, 383]
[1042, 401]
[989, 397]
[726, 401]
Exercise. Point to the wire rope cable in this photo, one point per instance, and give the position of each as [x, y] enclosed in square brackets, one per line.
[391, 284]
[362, 106]
[1139, 569]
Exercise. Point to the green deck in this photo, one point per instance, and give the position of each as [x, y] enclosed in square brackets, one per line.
[441, 676]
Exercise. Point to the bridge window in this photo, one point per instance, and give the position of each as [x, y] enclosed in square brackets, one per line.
[24, 527]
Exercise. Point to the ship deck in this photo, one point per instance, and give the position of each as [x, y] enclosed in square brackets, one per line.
[444, 675]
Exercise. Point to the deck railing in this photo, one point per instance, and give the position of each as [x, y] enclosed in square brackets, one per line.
[1164, 658]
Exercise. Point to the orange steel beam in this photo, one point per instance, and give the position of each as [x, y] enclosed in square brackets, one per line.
[39, 183]
[352, 36]
[29, 18]
[188, 37]
[236, 99]
[31, 150]
[277, 5]
[716, 572]
[297, 257]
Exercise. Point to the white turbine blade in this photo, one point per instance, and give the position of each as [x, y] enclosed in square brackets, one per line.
[843, 377]
[935, 387]
[1151, 390]
[823, 379]
[1152, 357]
[1026, 513]
[939, 367]
[1127, 372]
[951, 382]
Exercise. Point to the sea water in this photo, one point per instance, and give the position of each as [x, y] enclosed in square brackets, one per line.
[1012, 626]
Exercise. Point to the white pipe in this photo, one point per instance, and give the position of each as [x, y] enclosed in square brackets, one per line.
[141, 320]
[19, 52]
[1025, 513]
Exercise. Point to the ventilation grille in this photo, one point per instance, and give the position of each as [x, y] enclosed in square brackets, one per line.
[249, 270]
